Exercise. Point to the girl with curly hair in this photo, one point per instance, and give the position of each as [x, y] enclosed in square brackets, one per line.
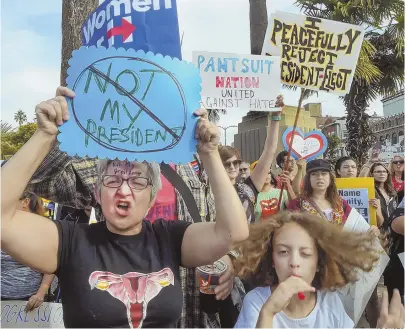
[320, 195]
[296, 262]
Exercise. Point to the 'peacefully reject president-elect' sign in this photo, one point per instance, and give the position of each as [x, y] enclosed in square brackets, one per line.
[131, 105]
[231, 81]
[315, 53]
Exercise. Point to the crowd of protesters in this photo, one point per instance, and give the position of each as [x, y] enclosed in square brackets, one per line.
[285, 251]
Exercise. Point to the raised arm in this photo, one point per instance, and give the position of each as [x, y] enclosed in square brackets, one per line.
[265, 161]
[29, 238]
[204, 243]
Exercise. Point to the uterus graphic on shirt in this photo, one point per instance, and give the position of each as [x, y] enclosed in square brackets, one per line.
[133, 289]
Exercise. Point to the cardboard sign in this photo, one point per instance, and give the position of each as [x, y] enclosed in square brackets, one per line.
[315, 53]
[131, 105]
[357, 192]
[135, 24]
[355, 296]
[307, 146]
[48, 315]
[246, 82]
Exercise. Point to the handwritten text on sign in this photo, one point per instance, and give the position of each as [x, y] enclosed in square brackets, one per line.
[307, 146]
[48, 315]
[232, 81]
[315, 53]
[129, 105]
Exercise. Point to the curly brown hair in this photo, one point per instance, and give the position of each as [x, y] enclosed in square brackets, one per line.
[332, 194]
[388, 187]
[340, 253]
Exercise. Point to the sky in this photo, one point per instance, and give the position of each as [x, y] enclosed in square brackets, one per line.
[31, 50]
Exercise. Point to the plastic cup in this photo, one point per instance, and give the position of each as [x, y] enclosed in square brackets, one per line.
[208, 276]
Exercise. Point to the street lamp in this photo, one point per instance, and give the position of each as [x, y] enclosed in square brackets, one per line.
[225, 128]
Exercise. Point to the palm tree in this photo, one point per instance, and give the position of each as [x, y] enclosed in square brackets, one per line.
[379, 70]
[5, 127]
[20, 117]
[74, 14]
[380, 67]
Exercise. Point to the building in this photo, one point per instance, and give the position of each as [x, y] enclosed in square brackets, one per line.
[252, 131]
[393, 105]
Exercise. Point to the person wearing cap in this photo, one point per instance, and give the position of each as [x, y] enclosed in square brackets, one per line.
[320, 195]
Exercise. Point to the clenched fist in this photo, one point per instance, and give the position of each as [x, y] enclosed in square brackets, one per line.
[53, 112]
[206, 133]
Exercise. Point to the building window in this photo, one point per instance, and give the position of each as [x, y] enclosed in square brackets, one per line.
[387, 137]
[400, 136]
[389, 124]
[383, 126]
[394, 139]
[382, 139]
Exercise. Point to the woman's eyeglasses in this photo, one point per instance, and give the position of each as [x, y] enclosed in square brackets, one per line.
[136, 182]
[398, 162]
[235, 163]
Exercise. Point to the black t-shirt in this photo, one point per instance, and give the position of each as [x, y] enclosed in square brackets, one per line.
[247, 193]
[110, 280]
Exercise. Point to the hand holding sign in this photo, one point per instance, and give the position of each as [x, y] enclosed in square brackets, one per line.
[52, 113]
[131, 105]
[207, 133]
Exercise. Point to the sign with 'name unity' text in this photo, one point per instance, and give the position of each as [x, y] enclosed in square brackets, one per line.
[357, 192]
[231, 81]
[150, 25]
[131, 105]
[315, 53]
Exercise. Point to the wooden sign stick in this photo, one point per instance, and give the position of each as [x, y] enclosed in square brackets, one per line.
[290, 144]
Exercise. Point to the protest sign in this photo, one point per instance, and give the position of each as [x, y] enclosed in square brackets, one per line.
[135, 24]
[357, 192]
[131, 105]
[306, 146]
[48, 315]
[355, 296]
[231, 81]
[315, 53]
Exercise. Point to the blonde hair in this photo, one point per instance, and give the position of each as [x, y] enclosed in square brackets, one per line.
[340, 253]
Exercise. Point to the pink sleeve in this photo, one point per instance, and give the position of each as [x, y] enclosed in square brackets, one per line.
[346, 209]
[293, 205]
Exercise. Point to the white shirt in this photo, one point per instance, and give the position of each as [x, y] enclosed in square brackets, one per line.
[328, 312]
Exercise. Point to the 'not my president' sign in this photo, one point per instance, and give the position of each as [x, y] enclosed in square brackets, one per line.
[231, 81]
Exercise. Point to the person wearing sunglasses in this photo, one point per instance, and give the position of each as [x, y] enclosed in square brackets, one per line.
[396, 169]
[123, 271]
[231, 159]
[244, 171]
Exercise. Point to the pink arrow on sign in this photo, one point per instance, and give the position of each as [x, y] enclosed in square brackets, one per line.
[126, 29]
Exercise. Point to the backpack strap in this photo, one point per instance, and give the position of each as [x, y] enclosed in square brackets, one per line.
[180, 185]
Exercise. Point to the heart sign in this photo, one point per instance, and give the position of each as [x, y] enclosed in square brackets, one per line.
[307, 146]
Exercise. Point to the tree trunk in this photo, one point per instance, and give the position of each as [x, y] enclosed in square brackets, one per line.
[258, 25]
[360, 137]
[74, 14]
